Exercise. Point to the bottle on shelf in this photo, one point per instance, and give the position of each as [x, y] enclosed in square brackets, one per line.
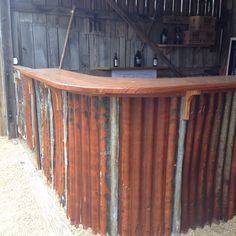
[164, 36]
[178, 36]
[138, 59]
[115, 61]
[155, 61]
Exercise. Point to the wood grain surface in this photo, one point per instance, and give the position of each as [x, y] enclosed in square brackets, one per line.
[105, 86]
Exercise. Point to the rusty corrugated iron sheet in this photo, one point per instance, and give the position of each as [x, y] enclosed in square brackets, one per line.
[232, 189]
[28, 114]
[148, 135]
[59, 165]
[88, 154]
[206, 191]
[46, 148]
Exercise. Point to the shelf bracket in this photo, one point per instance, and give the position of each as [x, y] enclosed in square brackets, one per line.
[187, 103]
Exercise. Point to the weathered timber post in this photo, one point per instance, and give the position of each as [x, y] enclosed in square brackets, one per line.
[6, 56]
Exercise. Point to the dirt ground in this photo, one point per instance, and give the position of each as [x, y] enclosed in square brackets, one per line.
[29, 207]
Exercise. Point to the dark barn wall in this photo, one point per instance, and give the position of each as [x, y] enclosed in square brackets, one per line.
[38, 41]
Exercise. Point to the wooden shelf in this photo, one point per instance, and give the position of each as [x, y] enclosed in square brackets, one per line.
[177, 20]
[184, 45]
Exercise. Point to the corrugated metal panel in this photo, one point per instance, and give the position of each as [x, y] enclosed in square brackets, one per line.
[20, 106]
[46, 149]
[88, 154]
[147, 164]
[59, 165]
[28, 114]
[207, 163]
[232, 189]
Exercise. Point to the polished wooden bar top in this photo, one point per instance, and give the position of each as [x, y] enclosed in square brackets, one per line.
[107, 86]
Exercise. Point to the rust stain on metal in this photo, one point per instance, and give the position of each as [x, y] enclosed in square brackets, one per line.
[186, 167]
[124, 194]
[147, 165]
[46, 152]
[77, 183]
[170, 162]
[209, 157]
[203, 159]
[232, 189]
[85, 155]
[71, 209]
[212, 157]
[221, 158]
[94, 165]
[135, 171]
[159, 166]
[101, 117]
[228, 158]
[59, 171]
[28, 114]
[198, 133]
[88, 191]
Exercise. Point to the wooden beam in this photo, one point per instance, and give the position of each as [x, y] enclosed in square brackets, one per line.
[67, 37]
[59, 11]
[7, 67]
[143, 36]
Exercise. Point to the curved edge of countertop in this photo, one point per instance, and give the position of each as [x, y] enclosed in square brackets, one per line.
[107, 86]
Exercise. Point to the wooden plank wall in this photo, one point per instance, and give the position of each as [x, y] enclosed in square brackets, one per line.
[38, 39]
[3, 122]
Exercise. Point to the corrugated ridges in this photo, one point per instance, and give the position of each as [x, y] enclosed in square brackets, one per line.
[28, 114]
[206, 189]
[46, 150]
[59, 167]
[88, 150]
[147, 164]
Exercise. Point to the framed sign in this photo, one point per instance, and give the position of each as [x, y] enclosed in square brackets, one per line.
[231, 65]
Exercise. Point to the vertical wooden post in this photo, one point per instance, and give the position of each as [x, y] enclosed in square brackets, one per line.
[6, 56]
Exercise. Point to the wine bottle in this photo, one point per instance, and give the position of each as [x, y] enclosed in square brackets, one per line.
[164, 36]
[115, 61]
[138, 59]
[155, 61]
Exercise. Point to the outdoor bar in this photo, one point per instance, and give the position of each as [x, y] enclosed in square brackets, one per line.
[133, 156]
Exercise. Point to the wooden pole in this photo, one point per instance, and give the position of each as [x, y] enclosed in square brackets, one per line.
[143, 36]
[67, 37]
[6, 56]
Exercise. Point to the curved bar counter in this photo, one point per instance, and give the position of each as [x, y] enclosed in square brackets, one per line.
[133, 156]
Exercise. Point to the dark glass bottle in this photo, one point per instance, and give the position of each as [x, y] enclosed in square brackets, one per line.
[178, 36]
[115, 61]
[138, 59]
[164, 36]
[155, 61]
